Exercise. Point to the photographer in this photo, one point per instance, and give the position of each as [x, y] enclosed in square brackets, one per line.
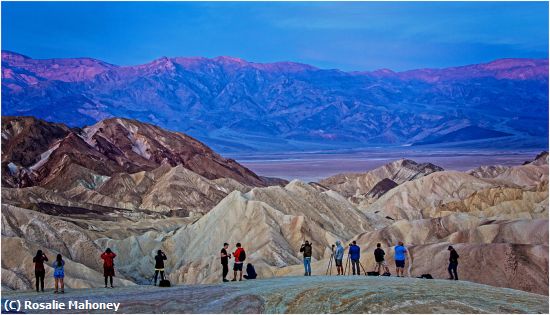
[159, 265]
[354, 255]
[307, 250]
[39, 271]
[400, 255]
[379, 259]
[225, 261]
[338, 257]
[108, 265]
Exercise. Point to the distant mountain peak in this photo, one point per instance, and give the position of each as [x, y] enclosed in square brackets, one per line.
[229, 59]
[515, 62]
[10, 55]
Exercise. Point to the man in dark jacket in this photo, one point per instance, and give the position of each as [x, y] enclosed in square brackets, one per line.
[225, 261]
[159, 265]
[453, 263]
[307, 250]
[380, 260]
[354, 255]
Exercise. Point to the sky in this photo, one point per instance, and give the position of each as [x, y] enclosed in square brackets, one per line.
[350, 36]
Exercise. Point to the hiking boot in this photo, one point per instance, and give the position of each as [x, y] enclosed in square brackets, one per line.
[233, 279]
[225, 280]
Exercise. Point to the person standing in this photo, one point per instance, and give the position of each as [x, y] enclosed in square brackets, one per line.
[59, 273]
[39, 271]
[453, 263]
[307, 249]
[354, 253]
[400, 255]
[225, 262]
[338, 257]
[240, 256]
[379, 259]
[159, 265]
[108, 265]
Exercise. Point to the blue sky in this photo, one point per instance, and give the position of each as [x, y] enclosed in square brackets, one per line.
[347, 36]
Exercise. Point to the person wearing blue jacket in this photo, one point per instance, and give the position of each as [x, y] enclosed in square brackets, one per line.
[354, 254]
[338, 257]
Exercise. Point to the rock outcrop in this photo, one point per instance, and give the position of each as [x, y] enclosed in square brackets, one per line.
[108, 147]
[365, 188]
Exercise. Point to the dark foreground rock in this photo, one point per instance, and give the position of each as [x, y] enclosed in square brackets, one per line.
[307, 295]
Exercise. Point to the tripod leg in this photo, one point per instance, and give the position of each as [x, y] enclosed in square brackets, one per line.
[329, 267]
[360, 264]
[346, 267]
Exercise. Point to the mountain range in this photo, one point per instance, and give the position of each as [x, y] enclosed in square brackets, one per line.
[238, 106]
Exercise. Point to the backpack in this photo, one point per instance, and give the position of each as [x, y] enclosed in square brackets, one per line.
[426, 276]
[373, 273]
[164, 283]
[308, 250]
[386, 274]
[242, 255]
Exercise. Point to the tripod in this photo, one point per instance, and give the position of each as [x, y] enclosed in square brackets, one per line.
[329, 268]
[348, 266]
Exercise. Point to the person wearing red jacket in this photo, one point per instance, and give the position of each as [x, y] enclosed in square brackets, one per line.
[108, 265]
[39, 271]
[238, 265]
